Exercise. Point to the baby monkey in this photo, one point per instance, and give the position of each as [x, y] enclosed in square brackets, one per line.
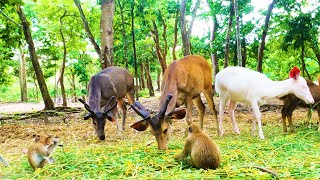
[205, 153]
[40, 150]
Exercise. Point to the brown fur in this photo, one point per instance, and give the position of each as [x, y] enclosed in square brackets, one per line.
[291, 102]
[185, 80]
[204, 152]
[40, 150]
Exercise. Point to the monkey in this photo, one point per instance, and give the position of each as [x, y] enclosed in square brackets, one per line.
[204, 152]
[40, 150]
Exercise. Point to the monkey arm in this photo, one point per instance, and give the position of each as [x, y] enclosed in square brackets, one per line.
[185, 152]
[42, 150]
[52, 148]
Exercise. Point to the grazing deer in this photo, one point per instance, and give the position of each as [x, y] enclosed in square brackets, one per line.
[291, 102]
[183, 81]
[109, 84]
[244, 85]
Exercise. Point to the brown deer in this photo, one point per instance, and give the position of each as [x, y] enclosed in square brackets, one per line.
[110, 83]
[291, 102]
[183, 81]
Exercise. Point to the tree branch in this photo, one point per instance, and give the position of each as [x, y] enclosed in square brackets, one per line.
[10, 19]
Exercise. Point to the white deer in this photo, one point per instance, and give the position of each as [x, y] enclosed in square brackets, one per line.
[244, 85]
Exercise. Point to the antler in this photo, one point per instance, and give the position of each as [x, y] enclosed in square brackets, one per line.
[86, 105]
[165, 106]
[139, 109]
[108, 108]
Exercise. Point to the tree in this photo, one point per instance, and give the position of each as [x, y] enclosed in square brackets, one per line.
[238, 33]
[185, 34]
[106, 25]
[299, 33]
[226, 52]
[87, 28]
[33, 56]
[264, 35]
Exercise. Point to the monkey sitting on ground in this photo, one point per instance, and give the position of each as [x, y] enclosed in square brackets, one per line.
[40, 150]
[205, 153]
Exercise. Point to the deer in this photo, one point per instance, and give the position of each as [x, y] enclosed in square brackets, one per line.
[183, 82]
[291, 102]
[239, 84]
[110, 85]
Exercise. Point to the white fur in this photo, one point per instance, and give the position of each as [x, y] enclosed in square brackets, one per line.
[244, 85]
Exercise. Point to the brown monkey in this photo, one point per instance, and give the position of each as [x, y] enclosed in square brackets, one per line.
[40, 150]
[205, 153]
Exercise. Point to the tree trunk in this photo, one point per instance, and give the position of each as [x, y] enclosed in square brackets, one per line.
[304, 69]
[264, 34]
[73, 85]
[106, 26]
[175, 38]
[23, 77]
[123, 31]
[235, 62]
[226, 50]
[316, 51]
[214, 55]
[158, 80]
[244, 52]
[143, 84]
[149, 80]
[134, 51]
[161, 53]
[63, 65]
[87, 29]
[238, 33]
[34, 59]
[185, 34]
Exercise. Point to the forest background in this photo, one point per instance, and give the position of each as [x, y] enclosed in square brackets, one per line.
[50, 48]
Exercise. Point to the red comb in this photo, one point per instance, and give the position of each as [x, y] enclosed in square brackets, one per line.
[294, 73]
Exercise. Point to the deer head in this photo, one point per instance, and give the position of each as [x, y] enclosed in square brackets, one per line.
[99, 118]
[160, 123]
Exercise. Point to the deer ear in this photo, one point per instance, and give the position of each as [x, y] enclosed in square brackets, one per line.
[177, 114]
[141, 125]
[294, 73]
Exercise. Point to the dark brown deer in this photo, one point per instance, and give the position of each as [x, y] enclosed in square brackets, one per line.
[183, 81]
[109, 84]
[291, 102]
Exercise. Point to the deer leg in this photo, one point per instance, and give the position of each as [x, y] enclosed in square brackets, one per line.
[231, 108]
[130, 96]
[200, 107]
[222, 105]
[284, 118]
[115, 115]
[122, 105]
[290, 122]
[189, 110]
[208, 95]
[257, 114]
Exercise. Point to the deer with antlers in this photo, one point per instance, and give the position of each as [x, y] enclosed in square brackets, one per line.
[109, 85]
[183, 82]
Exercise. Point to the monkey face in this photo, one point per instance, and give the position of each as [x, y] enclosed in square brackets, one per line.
[45, 139]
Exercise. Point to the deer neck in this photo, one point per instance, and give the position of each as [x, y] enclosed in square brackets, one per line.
[278, 89]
